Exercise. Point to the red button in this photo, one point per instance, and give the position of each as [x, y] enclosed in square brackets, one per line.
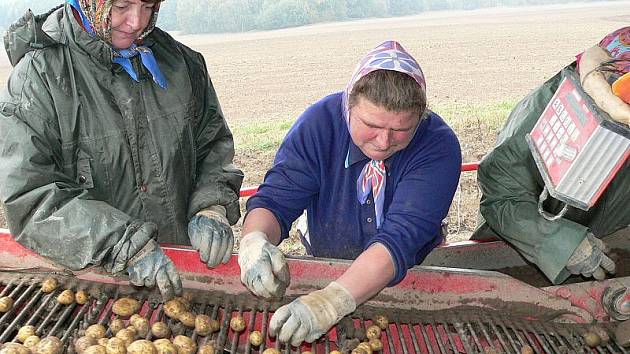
[143, 188]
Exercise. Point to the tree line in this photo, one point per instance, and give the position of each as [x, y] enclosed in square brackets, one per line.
[213, 16]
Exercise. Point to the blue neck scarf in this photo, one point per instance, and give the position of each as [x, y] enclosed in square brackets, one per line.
[123, 56]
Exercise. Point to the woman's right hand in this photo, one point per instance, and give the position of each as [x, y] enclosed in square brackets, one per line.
[264, 270]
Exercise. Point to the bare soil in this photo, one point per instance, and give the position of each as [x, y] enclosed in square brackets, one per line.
[479, 57]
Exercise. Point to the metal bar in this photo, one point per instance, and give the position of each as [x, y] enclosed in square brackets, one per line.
[529, 326]
[235, 334]
[414, 339]
[438, 337]
[474, 335]
[403, 345]
[74, 323]
[263, 329]
[485, 333]
[19, 317]
[66, 312]
[6, 289]
[390, 339]
[425, 337]
[44, 323]
[225, 326]
[459, 328]
[18, 302]
[498, 334]
[516, 348]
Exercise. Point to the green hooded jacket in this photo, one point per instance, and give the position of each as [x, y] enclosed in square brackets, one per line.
[92, 160]
[511, 185]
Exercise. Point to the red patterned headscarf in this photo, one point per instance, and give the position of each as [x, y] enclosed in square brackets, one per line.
[98, 14]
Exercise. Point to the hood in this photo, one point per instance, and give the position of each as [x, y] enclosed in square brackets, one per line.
[27, 34]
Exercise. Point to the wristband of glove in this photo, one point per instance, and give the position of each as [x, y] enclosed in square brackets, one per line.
[215, 212]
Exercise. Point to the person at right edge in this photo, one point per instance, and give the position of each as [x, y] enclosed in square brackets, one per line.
[511, 182]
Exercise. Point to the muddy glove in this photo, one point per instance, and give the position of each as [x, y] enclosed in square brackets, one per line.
[264, 270]
[590, 260]
[150, 266]
[210, 234]
[310, 316]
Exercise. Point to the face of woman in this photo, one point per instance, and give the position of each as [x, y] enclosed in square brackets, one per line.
[129, 19]
[378, 132]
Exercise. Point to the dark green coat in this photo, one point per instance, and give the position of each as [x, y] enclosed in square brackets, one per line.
[87, 155]
[511, 185]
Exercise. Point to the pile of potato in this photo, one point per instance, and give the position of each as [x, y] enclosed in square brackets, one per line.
[28, 342]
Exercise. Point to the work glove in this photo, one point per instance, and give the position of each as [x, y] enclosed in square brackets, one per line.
[150, 266]
[310, 316]
[264, 270]
[590, 260]
[210, 234]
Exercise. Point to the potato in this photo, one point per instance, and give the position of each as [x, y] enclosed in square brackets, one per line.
[174, 308]
[164, 346]
[6, 304]
[81, 344]
[81, 297]
[335, 352]
[202, 325]
[184, 302]
[102, 341]
[160, 330]
[141, 324]
[133, 330]
[14, 348]
[381, 321]
[49, 285]
[116, 346]
[31, 341]
[116, 325]
[237, 323]
[526, 349]
[207, 349]
[255, 338]
[215, 326]
[141, 346]
[95, 349]
[187, 319]
[358, 350]
[185, 345]
[366, 347]
[376, 344]
[25, 332]
[373, 331]
[271, 351]
[126, 306]
[592, 339]
[66, 297]
[95, 331]
[126, 335]
[49, 345]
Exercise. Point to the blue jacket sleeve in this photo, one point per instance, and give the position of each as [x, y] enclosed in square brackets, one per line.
[421, 200]
[293, 180]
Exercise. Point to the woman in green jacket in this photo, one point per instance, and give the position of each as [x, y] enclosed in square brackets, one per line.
[112, 141]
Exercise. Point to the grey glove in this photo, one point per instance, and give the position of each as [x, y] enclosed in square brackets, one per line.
[150, 266]
[590, 260]
[211, 235]
[263, 268]
[310, 316]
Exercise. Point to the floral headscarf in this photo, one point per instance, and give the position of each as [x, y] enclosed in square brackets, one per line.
[96, 17]
[617, 44]
[389, 55]
[99, 17]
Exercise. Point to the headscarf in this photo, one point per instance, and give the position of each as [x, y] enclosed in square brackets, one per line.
[617, 44]
[389, 55]
[96, 19]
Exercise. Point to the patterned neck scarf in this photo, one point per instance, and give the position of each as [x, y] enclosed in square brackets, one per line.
[96, 20]
[390, 55]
